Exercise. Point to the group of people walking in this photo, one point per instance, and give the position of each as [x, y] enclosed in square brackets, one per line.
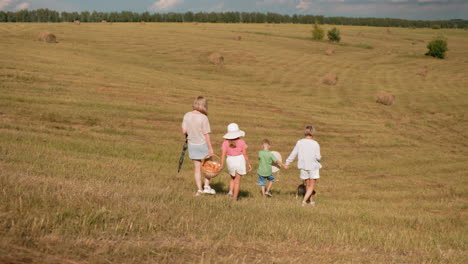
[196, 126]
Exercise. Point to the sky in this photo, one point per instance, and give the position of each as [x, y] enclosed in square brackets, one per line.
[408, 9]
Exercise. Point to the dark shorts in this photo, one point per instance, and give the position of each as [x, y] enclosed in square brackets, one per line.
[262, 180]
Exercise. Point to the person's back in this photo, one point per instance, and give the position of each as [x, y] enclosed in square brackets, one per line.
[308, 154]
[265, 172]
[196, 126]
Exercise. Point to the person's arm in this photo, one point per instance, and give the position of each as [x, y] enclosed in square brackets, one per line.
[282, 164]
[210, 147]
[319, 156]
[184, 127]
[223, 157]
[206, 130]
[246, 156]
[293, 155]
[223, 154]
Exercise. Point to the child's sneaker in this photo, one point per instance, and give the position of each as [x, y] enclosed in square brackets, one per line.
[208, 190]
[312, 203]
[199, 193]
[268, 193]
[229, 194]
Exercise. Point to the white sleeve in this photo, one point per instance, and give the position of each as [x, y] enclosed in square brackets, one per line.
[319, 156]
[293, 154]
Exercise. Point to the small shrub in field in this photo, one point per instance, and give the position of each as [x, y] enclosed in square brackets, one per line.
[435, 26]
[317, 32]
[437, 48]
[334, 35]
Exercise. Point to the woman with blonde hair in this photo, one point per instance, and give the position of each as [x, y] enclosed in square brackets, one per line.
[197, 128]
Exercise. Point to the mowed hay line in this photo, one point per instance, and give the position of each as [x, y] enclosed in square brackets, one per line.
[385, 98]
[47, 37]
[216, 58]
[330, 79]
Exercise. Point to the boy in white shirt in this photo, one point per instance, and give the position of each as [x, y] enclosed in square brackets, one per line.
[308, 152]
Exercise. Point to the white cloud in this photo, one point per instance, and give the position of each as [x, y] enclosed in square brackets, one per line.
[23, 6]
[304, 5]
[432, 1]
[163, 5]
[217, 8]
[273, 2]
[4, 4]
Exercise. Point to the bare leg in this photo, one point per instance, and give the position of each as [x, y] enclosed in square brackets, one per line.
[231, 185]
[263, 190]
[310, 183]
[270, 184]
[207, 182]
[197, 172]
[237, 180]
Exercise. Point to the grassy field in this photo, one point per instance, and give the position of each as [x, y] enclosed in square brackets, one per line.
[90, 138]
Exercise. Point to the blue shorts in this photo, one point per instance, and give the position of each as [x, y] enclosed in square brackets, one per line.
[197, 152]
[262, 180]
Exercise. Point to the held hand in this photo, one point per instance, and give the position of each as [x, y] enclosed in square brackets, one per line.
[211, 153]
[286, 166]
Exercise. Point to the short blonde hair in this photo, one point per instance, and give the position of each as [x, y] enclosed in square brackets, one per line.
[309, 131]
[201, 105]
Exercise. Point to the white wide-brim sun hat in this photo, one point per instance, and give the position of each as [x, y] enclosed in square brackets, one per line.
[233, 132]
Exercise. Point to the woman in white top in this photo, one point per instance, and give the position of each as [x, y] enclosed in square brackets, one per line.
[308, 152]
[197, 128]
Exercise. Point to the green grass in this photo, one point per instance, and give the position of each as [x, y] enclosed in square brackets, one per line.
[90, 138]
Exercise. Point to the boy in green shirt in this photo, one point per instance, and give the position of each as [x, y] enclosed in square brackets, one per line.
[265, 173]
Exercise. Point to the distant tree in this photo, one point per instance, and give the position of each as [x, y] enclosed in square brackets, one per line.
[436, 26]
[317, 32]
[188, 17]
[334, 35]
[84, 16]
[437, 48]
[46, 15]
[3, 17]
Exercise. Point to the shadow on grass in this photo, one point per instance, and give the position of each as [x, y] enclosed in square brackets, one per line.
[221, 187]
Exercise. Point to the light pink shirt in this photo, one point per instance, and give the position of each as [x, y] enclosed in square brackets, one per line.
[240, 146]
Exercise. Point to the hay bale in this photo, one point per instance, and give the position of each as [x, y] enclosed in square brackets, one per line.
[422, 71]
[216, 58]
[330, 52]
[238, 38]
[103, 21]
[47, 37]
[330, 79]
[385, 98]
[142, 22]
[76, 22]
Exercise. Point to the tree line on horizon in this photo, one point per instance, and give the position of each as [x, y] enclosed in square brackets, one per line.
[51, 16]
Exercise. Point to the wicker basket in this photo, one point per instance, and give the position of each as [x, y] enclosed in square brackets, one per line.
[208, 173]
